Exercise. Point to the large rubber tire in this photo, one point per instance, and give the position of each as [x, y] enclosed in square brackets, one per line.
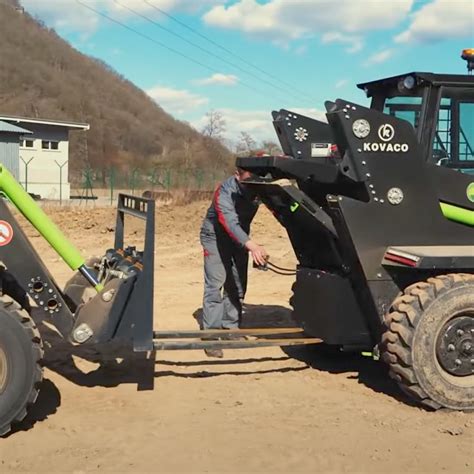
[21, 351]
[412, 328]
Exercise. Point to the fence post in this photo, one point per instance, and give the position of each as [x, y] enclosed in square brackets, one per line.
[199, 178]
[26, 163]
[112, 182]
[133, 181]
[168, 180]
[61, 181]
[87, 185]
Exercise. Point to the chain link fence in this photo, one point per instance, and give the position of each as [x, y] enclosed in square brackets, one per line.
[104, 185]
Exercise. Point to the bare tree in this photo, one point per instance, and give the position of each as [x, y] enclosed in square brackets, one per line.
[271, 148]
[214, 126]
[246, 143]
[42, 76]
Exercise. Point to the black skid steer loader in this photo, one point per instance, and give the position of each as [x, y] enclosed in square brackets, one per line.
[379, 208]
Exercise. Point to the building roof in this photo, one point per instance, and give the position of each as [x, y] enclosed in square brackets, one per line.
[57, 123]
[9, 128]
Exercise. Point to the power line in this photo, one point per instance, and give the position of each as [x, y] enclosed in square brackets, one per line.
[163, 45]
[131, 10]
[209, 40]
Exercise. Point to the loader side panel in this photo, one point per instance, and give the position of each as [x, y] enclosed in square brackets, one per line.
[21, 259]
[404, 207]
[330, 299]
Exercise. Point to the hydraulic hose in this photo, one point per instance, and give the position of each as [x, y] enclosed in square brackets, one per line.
[276, 269]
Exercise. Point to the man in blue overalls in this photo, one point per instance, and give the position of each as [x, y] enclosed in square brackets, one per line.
[226, 243]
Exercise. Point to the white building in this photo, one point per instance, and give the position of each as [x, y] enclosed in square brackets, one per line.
[44, 155]
[9, 146]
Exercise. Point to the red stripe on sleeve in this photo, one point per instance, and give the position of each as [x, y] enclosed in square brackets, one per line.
[220, 215]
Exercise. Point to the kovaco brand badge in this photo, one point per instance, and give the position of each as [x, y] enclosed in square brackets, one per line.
[470, 192]
[386, 134]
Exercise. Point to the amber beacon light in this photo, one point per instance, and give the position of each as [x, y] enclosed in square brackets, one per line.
[468, 55]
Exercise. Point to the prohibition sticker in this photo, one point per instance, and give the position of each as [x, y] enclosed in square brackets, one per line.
[6, 233]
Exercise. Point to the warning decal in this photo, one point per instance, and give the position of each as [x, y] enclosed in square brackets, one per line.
[6, 233]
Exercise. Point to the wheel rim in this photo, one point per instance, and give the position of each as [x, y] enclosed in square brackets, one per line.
[3, 370]
[455, 346]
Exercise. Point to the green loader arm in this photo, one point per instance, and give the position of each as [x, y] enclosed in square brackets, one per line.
[43, 224]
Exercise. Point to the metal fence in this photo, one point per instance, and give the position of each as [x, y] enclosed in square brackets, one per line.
[108, 183]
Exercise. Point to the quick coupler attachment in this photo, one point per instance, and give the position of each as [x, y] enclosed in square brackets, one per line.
[98, 319]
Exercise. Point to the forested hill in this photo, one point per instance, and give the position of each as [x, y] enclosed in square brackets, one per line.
[41, 75]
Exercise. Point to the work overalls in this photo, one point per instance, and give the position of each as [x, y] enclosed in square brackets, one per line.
[223, 235]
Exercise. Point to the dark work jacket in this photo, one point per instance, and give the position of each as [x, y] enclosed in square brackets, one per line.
[231, 212]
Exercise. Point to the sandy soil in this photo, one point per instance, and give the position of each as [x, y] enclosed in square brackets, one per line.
[258, 410]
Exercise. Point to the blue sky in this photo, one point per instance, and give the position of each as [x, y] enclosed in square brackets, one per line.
[265, 54]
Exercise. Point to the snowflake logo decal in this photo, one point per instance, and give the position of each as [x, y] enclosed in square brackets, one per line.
[301, 134]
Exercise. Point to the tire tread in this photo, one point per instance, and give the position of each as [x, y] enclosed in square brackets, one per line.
[399, 325]
[34, 336]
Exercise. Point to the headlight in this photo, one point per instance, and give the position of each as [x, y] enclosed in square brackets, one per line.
[409, 82]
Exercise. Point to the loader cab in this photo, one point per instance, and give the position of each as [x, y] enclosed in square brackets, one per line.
[441, 109]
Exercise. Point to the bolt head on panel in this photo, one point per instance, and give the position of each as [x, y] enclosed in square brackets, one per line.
[395, 196]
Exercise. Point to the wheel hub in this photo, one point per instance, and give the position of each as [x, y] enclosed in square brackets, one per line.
[455, 346]
[3, 370]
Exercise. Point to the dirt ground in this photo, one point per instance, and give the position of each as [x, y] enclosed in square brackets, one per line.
[257, 410]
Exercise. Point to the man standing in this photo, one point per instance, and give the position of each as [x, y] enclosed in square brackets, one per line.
[226, 243]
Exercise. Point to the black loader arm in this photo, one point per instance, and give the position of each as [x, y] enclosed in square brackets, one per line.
[300, 136]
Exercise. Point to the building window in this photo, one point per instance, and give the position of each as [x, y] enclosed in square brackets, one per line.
[49, 145]
[26, 143]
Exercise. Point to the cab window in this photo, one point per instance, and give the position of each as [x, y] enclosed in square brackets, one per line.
[405, 108]
[453, 144]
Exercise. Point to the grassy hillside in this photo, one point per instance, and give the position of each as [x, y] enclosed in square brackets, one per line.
[41, 75]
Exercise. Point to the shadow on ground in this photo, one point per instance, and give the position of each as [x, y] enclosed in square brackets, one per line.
[114, 365]
[373, 374]
[142, 369]
[259, 316]
[47, 403]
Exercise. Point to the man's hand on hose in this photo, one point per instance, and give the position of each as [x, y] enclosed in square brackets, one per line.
[259, 254]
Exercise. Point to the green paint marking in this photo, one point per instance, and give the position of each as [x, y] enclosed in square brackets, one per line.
[470, 192]
[457, 214]
[43, 224]
[294, 206]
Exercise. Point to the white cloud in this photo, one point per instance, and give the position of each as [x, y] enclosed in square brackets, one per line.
[353, 43]
[257, 123]
[286, 20]
[439, 20]
[341, 83]
[72, 16]
[310, 112]
[300, 50]
[176, 101]
[218, 79]
[380, 57]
